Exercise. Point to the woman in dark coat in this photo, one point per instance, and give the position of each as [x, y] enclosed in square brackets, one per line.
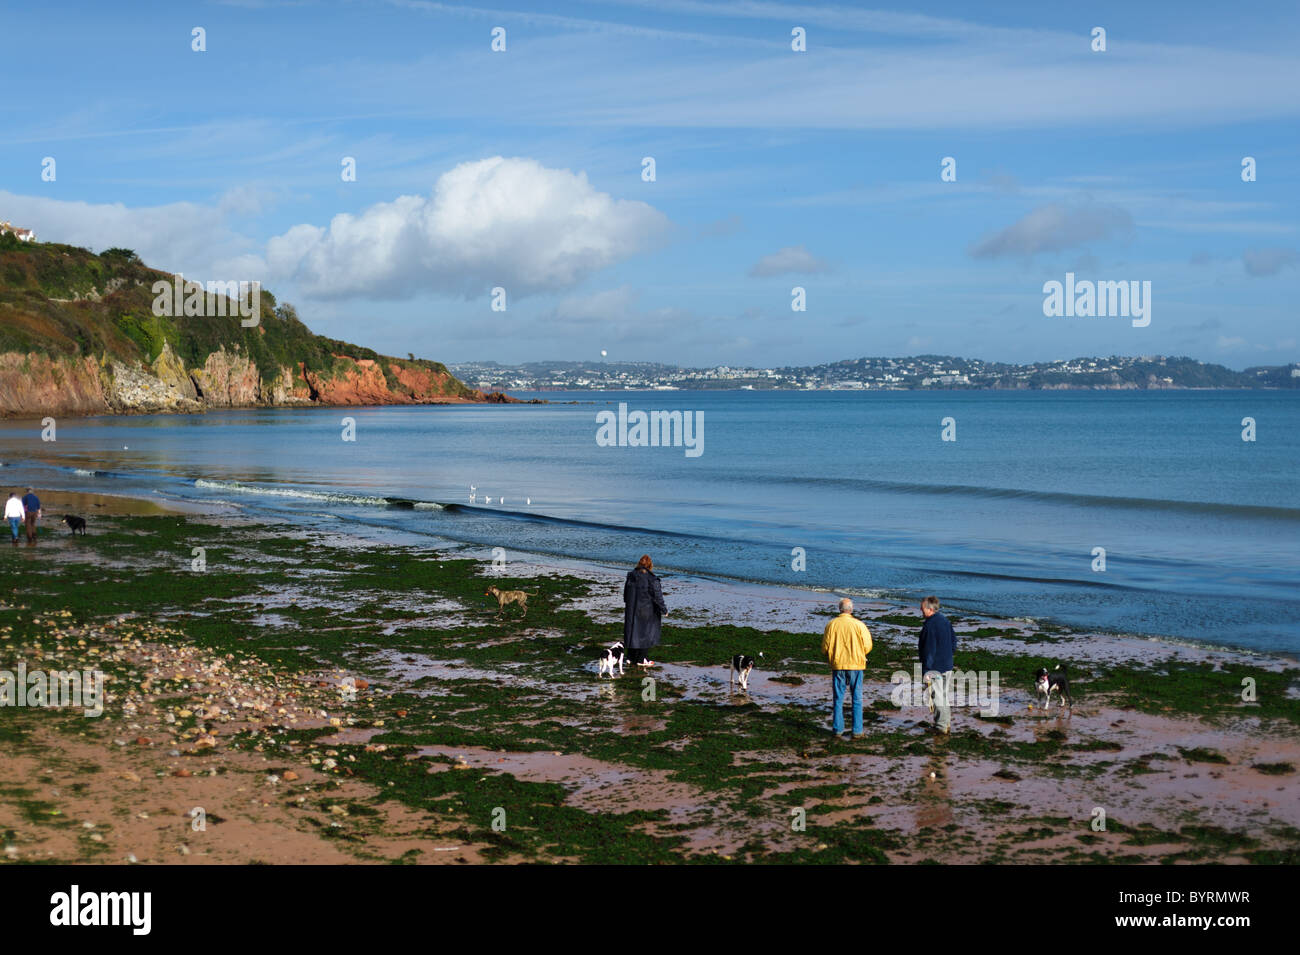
[643, 606]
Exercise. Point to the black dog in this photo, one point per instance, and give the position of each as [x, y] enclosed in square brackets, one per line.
[1045, 681]
[75, 523]
[740, 667]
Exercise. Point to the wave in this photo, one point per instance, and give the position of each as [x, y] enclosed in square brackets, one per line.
[1048, 497]
[91, 472]
[332, 497]
[577, 522]
[65, 469]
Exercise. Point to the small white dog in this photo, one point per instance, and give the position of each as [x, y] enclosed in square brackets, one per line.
[610, 658]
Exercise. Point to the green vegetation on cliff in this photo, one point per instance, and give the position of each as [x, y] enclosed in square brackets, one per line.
[67, 302]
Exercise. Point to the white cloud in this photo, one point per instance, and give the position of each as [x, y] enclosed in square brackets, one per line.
[1053, 227]
[793, 258]
[180, 236]
[493, 222]
[506, 222]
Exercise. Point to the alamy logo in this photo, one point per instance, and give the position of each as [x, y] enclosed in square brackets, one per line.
[1087, 299]
[653, 429]
[103, 908]
[57, 688]
[977, 688]
[179, 298]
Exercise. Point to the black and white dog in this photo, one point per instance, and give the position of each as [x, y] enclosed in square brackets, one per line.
[740, 667]
[611, 657]
[1046, 681]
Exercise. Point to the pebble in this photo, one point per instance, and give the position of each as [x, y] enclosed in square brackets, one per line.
[219, 691]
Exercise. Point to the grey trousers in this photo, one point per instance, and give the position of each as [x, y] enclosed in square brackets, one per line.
[938, 697]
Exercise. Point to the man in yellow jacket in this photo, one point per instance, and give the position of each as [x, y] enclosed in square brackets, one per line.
[846, 643]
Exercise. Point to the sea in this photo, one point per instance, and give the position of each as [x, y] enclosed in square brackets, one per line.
[1144, 513]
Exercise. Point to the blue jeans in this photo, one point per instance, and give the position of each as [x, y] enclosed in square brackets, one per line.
[842, 681]
[14, 524]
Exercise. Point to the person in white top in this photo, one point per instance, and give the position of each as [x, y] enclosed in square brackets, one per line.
[15, 514]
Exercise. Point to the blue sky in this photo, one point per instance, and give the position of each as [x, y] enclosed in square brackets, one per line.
[821, 169]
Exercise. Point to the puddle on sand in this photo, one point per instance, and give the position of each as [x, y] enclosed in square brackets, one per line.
[405, 668]
[282, 596]
[592, 783]
[713, 684]
[597, 786]
[1233, 796]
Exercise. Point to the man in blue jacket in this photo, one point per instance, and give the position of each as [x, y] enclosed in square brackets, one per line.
[32, 505]
[936, 648]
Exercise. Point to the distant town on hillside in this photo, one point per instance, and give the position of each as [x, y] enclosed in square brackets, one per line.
[922, 372]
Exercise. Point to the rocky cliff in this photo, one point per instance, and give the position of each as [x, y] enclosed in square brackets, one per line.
[86, 334]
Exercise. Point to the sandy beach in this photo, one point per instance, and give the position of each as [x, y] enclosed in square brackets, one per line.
[314, 697]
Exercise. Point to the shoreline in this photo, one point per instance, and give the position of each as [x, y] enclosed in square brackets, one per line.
[104, 504]
[709, 590]
[37, 416]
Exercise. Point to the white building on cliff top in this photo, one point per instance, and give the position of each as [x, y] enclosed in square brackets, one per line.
[23, 235]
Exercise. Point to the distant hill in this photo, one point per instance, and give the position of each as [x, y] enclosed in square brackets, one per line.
[79, 335]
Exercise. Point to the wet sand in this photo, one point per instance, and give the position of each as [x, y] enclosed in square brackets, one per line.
[56, 503]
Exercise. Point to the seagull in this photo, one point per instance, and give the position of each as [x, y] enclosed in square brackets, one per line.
[502, 502]
[472, 495]
[528, 501]
[487, 500]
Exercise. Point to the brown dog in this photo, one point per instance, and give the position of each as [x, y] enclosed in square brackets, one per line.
[505, 597]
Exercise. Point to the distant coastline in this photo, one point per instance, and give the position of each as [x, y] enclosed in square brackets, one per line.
[918, 373]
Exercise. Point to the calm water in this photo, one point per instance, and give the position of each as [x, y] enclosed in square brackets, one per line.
[1199, 527]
